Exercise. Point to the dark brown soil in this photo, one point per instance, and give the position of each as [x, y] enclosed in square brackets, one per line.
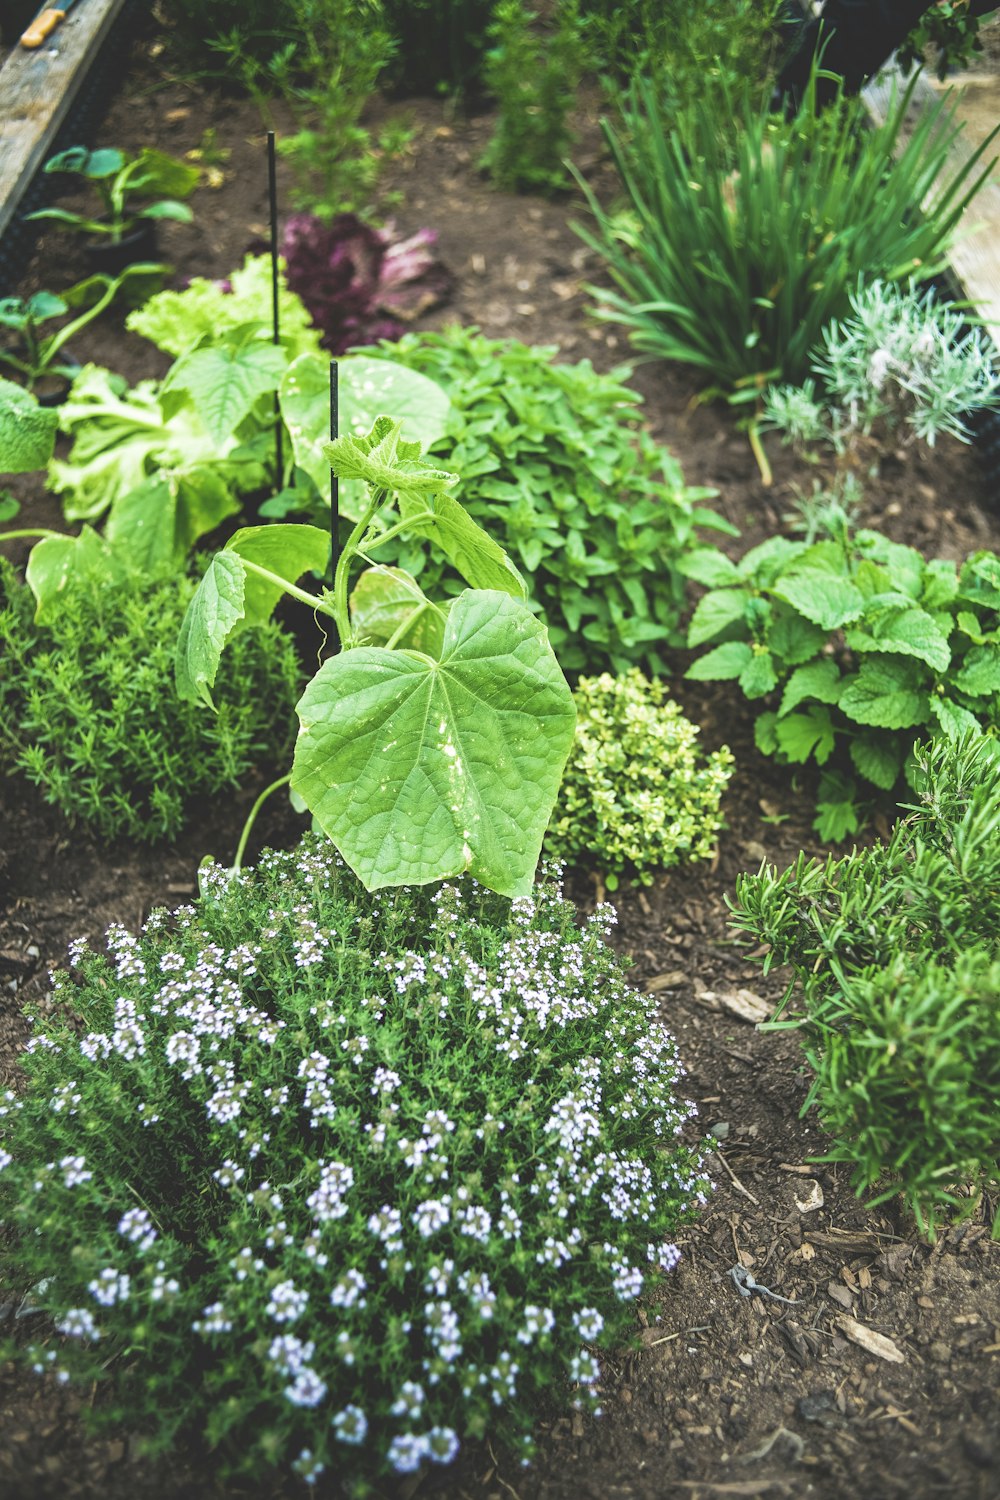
[726, 1394]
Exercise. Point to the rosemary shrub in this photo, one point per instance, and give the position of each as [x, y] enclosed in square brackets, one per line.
[316, 1177]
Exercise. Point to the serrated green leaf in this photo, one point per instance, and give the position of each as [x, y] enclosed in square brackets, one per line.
[836, 820]
[940, 584]
[887, 694]
[979, 673]
[758, 677]
[367, 388]
[27, 430]
[764, 562]
[216, 609]
[970, 625]
[725, 661]
[764, 733]
[288, 551]
[902, 632]
[954, 720]
[158, 523]
[799, 735]
[224, 383]
[419, 770]
[878, 759]
[979, 580]
[382, 602]
[480, 560]
[709, 566]
[719, 611]
[793, 639]
[820, 680]
[823, 598]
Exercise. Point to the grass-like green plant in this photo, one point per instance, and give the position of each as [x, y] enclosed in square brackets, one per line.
[894, 952]
[636, 797]
[88, 709]
[734, 250]
[534, 79]
[306, 1177]
[855, 646]
[552, 458]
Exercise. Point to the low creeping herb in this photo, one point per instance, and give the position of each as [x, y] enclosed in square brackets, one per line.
[343, 1180]
[88, 709]
[636, 798]
[895, 955]
[870, 645]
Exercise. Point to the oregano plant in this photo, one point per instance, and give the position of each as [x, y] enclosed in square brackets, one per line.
[434, 741]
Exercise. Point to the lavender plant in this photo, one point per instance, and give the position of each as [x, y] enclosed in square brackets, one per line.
[313, 1177]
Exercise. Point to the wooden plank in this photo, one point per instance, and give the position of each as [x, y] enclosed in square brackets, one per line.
[975, 252]
[37, 88]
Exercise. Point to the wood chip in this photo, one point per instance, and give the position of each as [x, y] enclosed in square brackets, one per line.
[743, 1004]
[870, 1341]
[812, 1199]
[667, 981]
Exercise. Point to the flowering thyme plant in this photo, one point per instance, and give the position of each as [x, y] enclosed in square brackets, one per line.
[324, 1178]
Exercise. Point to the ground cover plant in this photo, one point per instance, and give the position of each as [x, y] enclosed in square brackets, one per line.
[894, 954]
[636, 797]
[331, 1180]
[732, 253]
[552, 458]
[871, 646]
[88, 710]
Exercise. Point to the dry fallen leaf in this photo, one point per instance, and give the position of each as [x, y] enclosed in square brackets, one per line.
[870, 1341]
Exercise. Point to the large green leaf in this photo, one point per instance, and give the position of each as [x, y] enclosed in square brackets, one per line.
[979, 674]
[721, 610]
[480, 560]
[902, 632]
[224, 382]
[819, 680]
[27, 430]
[887, 694]
[799, 735]
[367, 388]
[821, 597]
[725, 661]
[420, 769]
[159, 522]
[57, 561]
[878, 758]
[232, 597]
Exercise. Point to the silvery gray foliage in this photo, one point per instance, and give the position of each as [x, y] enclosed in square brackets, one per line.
[901, 359]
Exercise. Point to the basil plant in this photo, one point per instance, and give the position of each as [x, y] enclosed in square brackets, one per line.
[434, 741]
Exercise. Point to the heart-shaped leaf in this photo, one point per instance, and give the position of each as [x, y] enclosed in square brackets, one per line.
[420, 769]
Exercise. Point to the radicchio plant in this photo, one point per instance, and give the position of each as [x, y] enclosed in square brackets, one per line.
[361, 284]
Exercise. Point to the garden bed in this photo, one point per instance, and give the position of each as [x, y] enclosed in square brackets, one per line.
[726, 1393]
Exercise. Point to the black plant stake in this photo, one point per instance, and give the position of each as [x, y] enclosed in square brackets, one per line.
[334, 481]
[272, 188]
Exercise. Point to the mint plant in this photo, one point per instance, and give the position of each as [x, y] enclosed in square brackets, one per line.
[88, 710]
[895, 958]
[636, 797]
[433, 743]
[309, 1179]
[852, 644]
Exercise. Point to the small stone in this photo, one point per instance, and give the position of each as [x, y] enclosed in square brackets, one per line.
[939, 1352]
[720, 1130]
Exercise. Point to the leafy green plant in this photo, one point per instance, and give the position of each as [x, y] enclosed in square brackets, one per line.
[344, 1181]
[870, 645]
[433, 743]
[88, 709]
[689, 48]
[899, 361]
[894, 952]
[636, 798]
[36, 353]
[952, 29]
[534, 81]
[27, 434]
[553, 457]
[121, 183]
[732, 255]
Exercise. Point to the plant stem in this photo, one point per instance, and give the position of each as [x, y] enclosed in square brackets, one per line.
[14, 536]
[340, 612]
[410, 620]
[241, 847]
[289, 588]
[385, 536]
[758, 452]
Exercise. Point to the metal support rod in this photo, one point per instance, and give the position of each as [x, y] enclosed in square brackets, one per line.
[334, 481]
[272, 189]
